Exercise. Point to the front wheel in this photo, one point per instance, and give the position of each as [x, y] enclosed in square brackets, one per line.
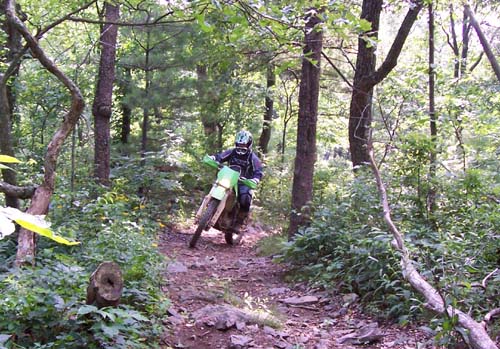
[204, 220]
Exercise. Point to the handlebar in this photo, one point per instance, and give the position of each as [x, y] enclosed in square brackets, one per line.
[215, 164]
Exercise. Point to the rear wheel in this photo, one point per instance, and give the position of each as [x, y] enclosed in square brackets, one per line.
[204, 220]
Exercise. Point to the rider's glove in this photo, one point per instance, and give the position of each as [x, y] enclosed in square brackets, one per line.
[255, 180]
[212, 157]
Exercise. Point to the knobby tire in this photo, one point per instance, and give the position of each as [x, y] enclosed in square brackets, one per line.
[204, 220]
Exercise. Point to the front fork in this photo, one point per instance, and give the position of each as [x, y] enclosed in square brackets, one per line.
[218, 212]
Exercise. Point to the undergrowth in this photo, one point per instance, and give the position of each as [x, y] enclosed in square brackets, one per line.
[348, 247]
[44, 306]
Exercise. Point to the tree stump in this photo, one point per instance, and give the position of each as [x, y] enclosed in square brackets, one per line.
[106, 285]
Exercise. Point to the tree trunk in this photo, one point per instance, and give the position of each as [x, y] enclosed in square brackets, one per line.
[305, 158]
[265, 136]
[126, 122]
[365, 77]
[12, 48]
[145, 116]
[208, 106]
[40, 201]
[466, 26]
[102, 106]
[6, 146]
[454, 43]
[431, 194]
[144, 135]
[124, 86]
[484, 42]
[360, 111]
[105, 286]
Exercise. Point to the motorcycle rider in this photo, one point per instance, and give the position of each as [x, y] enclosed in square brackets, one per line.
[242, 159]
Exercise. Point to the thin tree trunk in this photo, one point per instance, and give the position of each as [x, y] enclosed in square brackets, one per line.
[466, 26]
[431, 194]
[208, 106]
[145, 116]
[305, 158]
[454, 43]
[40, 201]
[126, 111]
[265, 136]
[126, 123]
[102, 107]
[144, 136]
[484, 42]
[287, 114]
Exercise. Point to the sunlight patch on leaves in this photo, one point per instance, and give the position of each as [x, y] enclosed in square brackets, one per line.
[9, 159]
[36, 224]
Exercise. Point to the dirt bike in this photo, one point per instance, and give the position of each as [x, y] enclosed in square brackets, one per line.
[220, 206]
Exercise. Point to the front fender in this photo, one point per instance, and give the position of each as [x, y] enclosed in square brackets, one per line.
[218, 192]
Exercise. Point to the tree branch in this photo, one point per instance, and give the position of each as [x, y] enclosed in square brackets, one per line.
[476, 63]
[336, 69]
[491, 315]
[63, 19]
[392, 57]
[484, 42]
[157, 22]
[18, 192]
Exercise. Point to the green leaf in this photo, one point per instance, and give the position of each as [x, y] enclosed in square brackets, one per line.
[31, 222]
[110, 331]
[86, 309]
[9, 159]
[205, 27]
[364, 25]
[312, 61]
[6, 227]
[139, 317]
[44, 232]
[106, 314]
[3, 167]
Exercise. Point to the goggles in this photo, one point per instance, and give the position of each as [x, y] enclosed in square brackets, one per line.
[241, 150]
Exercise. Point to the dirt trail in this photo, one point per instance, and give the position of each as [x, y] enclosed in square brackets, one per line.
[228, 297]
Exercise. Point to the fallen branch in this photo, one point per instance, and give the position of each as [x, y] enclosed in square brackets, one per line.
[302, 307]
[491, 315]
[477, 335]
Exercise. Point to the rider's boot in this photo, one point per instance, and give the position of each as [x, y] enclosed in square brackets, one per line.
[241, 221]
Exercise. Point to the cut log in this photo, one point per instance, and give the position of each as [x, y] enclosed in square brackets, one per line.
[106, 285]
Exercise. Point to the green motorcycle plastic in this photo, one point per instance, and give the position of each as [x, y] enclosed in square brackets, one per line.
[220, 206]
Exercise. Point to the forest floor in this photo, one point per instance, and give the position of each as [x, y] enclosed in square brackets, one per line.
[230, 297]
